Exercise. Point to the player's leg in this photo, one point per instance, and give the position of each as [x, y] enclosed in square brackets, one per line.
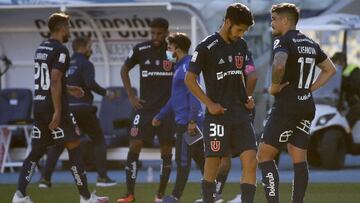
[243, 144]
[165, 134]
[297, 149]
[224, 169]
[216, 146]
[141, 129]
[89, 124]
[276, 132]
[52, 156]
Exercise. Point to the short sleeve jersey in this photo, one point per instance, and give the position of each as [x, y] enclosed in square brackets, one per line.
[223, 65]
[303, 55]
[156, 73]
[51, 54]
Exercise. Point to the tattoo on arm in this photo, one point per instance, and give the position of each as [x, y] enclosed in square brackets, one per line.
[278, 67]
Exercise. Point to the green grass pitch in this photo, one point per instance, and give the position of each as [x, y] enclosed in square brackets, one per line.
[67, 193]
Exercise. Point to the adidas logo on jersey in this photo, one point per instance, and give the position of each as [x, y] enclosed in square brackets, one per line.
[221, 61]
[147, 62]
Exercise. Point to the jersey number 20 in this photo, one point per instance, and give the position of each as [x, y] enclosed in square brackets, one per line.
[302, 62]
[42, 72]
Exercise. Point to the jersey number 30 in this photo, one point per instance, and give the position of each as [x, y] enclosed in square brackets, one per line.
[42, 72]
[302, 62]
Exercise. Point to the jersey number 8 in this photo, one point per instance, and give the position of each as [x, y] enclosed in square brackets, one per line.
[42, 72]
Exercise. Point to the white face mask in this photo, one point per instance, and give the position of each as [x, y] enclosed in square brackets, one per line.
[170, 56]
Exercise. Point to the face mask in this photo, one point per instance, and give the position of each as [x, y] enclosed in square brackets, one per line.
[88, 54]
[170, 56]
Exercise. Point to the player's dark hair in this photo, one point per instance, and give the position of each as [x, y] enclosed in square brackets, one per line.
[238, 13]
[339, 56]
[80, 42]
[57, 20]
[159, 23]
[291, 11]
[180, 40]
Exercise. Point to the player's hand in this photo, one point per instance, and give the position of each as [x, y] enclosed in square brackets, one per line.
[191, 128]
[136, 102]
[75, 91]
[274, 89]
[110, 95]
[55, 121]
[216, 109]
[250, 104]
[155, 122]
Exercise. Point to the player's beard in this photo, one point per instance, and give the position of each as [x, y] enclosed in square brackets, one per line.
[275, 32]
[230, 36]
[65, 38]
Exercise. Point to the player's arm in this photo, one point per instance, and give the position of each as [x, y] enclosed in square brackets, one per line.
[130, 62]
[278, 71]
[195, 89]
[164, 111]
[327, 71]
[55, 85]
[75, 91]
[90, 82]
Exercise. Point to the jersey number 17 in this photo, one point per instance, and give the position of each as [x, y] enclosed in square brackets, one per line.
[303, 61]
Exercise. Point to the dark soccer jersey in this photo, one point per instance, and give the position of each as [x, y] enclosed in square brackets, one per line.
[222, 65]
[51, 54]
[303, 55]
[156, 73]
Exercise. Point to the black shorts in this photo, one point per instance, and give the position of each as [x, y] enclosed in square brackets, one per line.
[280, 130]
[90, 125]
[42, 135]
[142, 128]
[222, 139]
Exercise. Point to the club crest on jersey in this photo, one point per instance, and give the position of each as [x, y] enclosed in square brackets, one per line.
[134, 131]
[215, 145]
[167, 65]
[239, 61]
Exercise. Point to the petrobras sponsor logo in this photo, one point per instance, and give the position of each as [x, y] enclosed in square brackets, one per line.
[221, 75]
[271, 185]
[146, 74]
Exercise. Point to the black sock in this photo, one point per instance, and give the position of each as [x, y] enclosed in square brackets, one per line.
[208, 191]
[220, 182]
[100, 158]
[270, 179]
[247, 192]
[131, 171]
[301, 177]
[164, 174]
[78, 172]
[53, 155]
[28, 168]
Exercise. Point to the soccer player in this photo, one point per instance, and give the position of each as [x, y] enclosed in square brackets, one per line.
[82, 74]
[156, 73]
[250, 78]
[188, 116]
[53, 124]
[227, 126]
[295, 57]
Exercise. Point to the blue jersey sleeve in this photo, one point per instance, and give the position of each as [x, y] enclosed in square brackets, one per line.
[195, 107]
[164, 111]
[198, 60]
[249, 64]
[62, 59]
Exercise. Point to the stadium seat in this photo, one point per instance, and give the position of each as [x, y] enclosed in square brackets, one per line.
[114, 117]
[15, 119]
